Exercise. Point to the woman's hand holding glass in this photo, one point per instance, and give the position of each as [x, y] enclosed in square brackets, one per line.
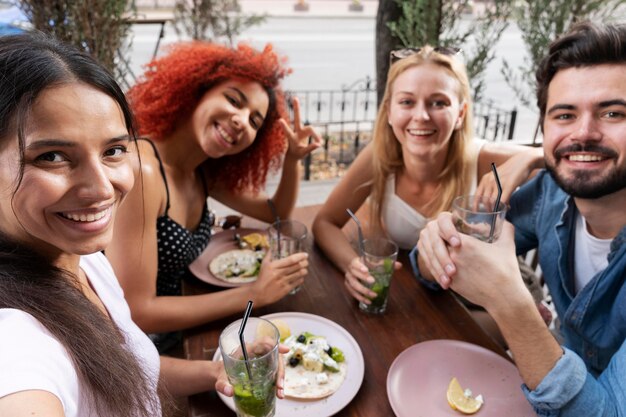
[278, 277]
[298, 136]
[224, 386]
[357, 274]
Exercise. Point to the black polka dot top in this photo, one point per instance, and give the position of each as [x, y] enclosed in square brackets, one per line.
[178, 246]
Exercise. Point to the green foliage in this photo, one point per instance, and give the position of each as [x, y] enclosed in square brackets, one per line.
[542, 21]
[212, 20]
[440, 23]
[96, 26]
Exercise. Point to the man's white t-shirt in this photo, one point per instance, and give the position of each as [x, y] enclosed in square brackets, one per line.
[590, 254]
[32, 359]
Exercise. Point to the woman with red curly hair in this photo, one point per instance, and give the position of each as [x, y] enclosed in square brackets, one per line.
[215, 119]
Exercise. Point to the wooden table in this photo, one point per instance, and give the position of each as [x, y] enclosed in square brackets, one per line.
[414, 314]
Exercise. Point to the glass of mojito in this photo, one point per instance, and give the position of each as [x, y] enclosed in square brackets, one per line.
[379, 256]
[254, 382]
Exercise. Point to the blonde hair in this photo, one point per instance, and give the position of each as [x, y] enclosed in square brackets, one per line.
[455, 178]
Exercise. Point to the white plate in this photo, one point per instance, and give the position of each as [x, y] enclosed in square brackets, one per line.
[336, 336]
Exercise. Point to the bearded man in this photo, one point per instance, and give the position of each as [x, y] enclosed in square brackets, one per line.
[574, 214]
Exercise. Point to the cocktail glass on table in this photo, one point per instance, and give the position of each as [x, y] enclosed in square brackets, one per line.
[379, 256]
[478, 217]
[254, 382]
[286, 237]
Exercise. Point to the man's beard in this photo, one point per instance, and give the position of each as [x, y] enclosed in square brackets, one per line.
[588, 184]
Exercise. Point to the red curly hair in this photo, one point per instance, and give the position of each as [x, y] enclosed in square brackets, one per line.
[173, 85]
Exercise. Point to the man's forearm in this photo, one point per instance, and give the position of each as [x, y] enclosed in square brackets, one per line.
[535, 350]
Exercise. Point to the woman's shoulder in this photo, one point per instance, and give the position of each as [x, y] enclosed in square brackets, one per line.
[25, 338]
[149, 160]
[477, 146]
[150, 191]
[102, 277]
[11, 318]
[31, 358]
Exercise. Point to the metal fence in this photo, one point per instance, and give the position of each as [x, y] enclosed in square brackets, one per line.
[345, 118]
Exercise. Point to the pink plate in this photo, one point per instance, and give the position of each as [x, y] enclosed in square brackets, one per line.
[418, 380]
[220, 243]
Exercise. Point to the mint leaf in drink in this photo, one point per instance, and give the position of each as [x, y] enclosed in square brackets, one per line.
[388, 266]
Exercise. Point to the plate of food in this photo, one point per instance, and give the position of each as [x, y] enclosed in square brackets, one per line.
[232, 258]
[440, 378]
[324, 368]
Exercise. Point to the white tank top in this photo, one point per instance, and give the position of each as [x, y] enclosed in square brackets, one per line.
[402, 222]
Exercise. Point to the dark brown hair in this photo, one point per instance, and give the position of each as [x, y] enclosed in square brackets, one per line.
[585, 44]
[111, 375]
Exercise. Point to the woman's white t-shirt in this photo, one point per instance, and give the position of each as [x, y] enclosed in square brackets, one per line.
[32, 359]
[402, 222]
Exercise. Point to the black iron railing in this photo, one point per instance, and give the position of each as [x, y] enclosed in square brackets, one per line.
[492, 122]
[345, 119]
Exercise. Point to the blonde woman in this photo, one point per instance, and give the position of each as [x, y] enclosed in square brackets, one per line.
[422, 156]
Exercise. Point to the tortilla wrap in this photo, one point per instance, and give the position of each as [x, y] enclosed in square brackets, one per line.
[244, 259]
[300, 383]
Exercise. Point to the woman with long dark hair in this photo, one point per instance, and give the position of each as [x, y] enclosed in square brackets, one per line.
[68, 344]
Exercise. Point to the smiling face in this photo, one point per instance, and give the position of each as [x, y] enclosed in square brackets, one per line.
[76, 173]
[425, 109]
[229, 116]
[585, 130]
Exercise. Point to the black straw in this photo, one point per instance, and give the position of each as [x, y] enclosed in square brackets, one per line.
[495, 207]
[244, 321]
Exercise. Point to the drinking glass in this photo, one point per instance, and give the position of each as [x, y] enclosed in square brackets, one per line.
[475, 216]
[254, 385]
[292, 235]
[379, 256]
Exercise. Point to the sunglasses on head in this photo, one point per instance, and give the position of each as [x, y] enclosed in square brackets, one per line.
[395, 56]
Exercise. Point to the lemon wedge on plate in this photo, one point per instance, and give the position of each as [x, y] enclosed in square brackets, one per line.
[264, 329]
[256, 241]
[283, 329]
[462, 400]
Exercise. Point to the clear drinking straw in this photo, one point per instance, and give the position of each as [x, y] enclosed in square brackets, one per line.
[277, 222]
[359, 230]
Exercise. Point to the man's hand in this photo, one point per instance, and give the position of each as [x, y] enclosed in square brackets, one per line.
[434, 244]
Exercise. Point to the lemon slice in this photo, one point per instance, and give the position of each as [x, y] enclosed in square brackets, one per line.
[264, 329]
[283, 329]
[462, 400]
[256, 240]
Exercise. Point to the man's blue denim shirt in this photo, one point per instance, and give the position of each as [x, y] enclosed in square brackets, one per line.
[590, 379]
[593, 322]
